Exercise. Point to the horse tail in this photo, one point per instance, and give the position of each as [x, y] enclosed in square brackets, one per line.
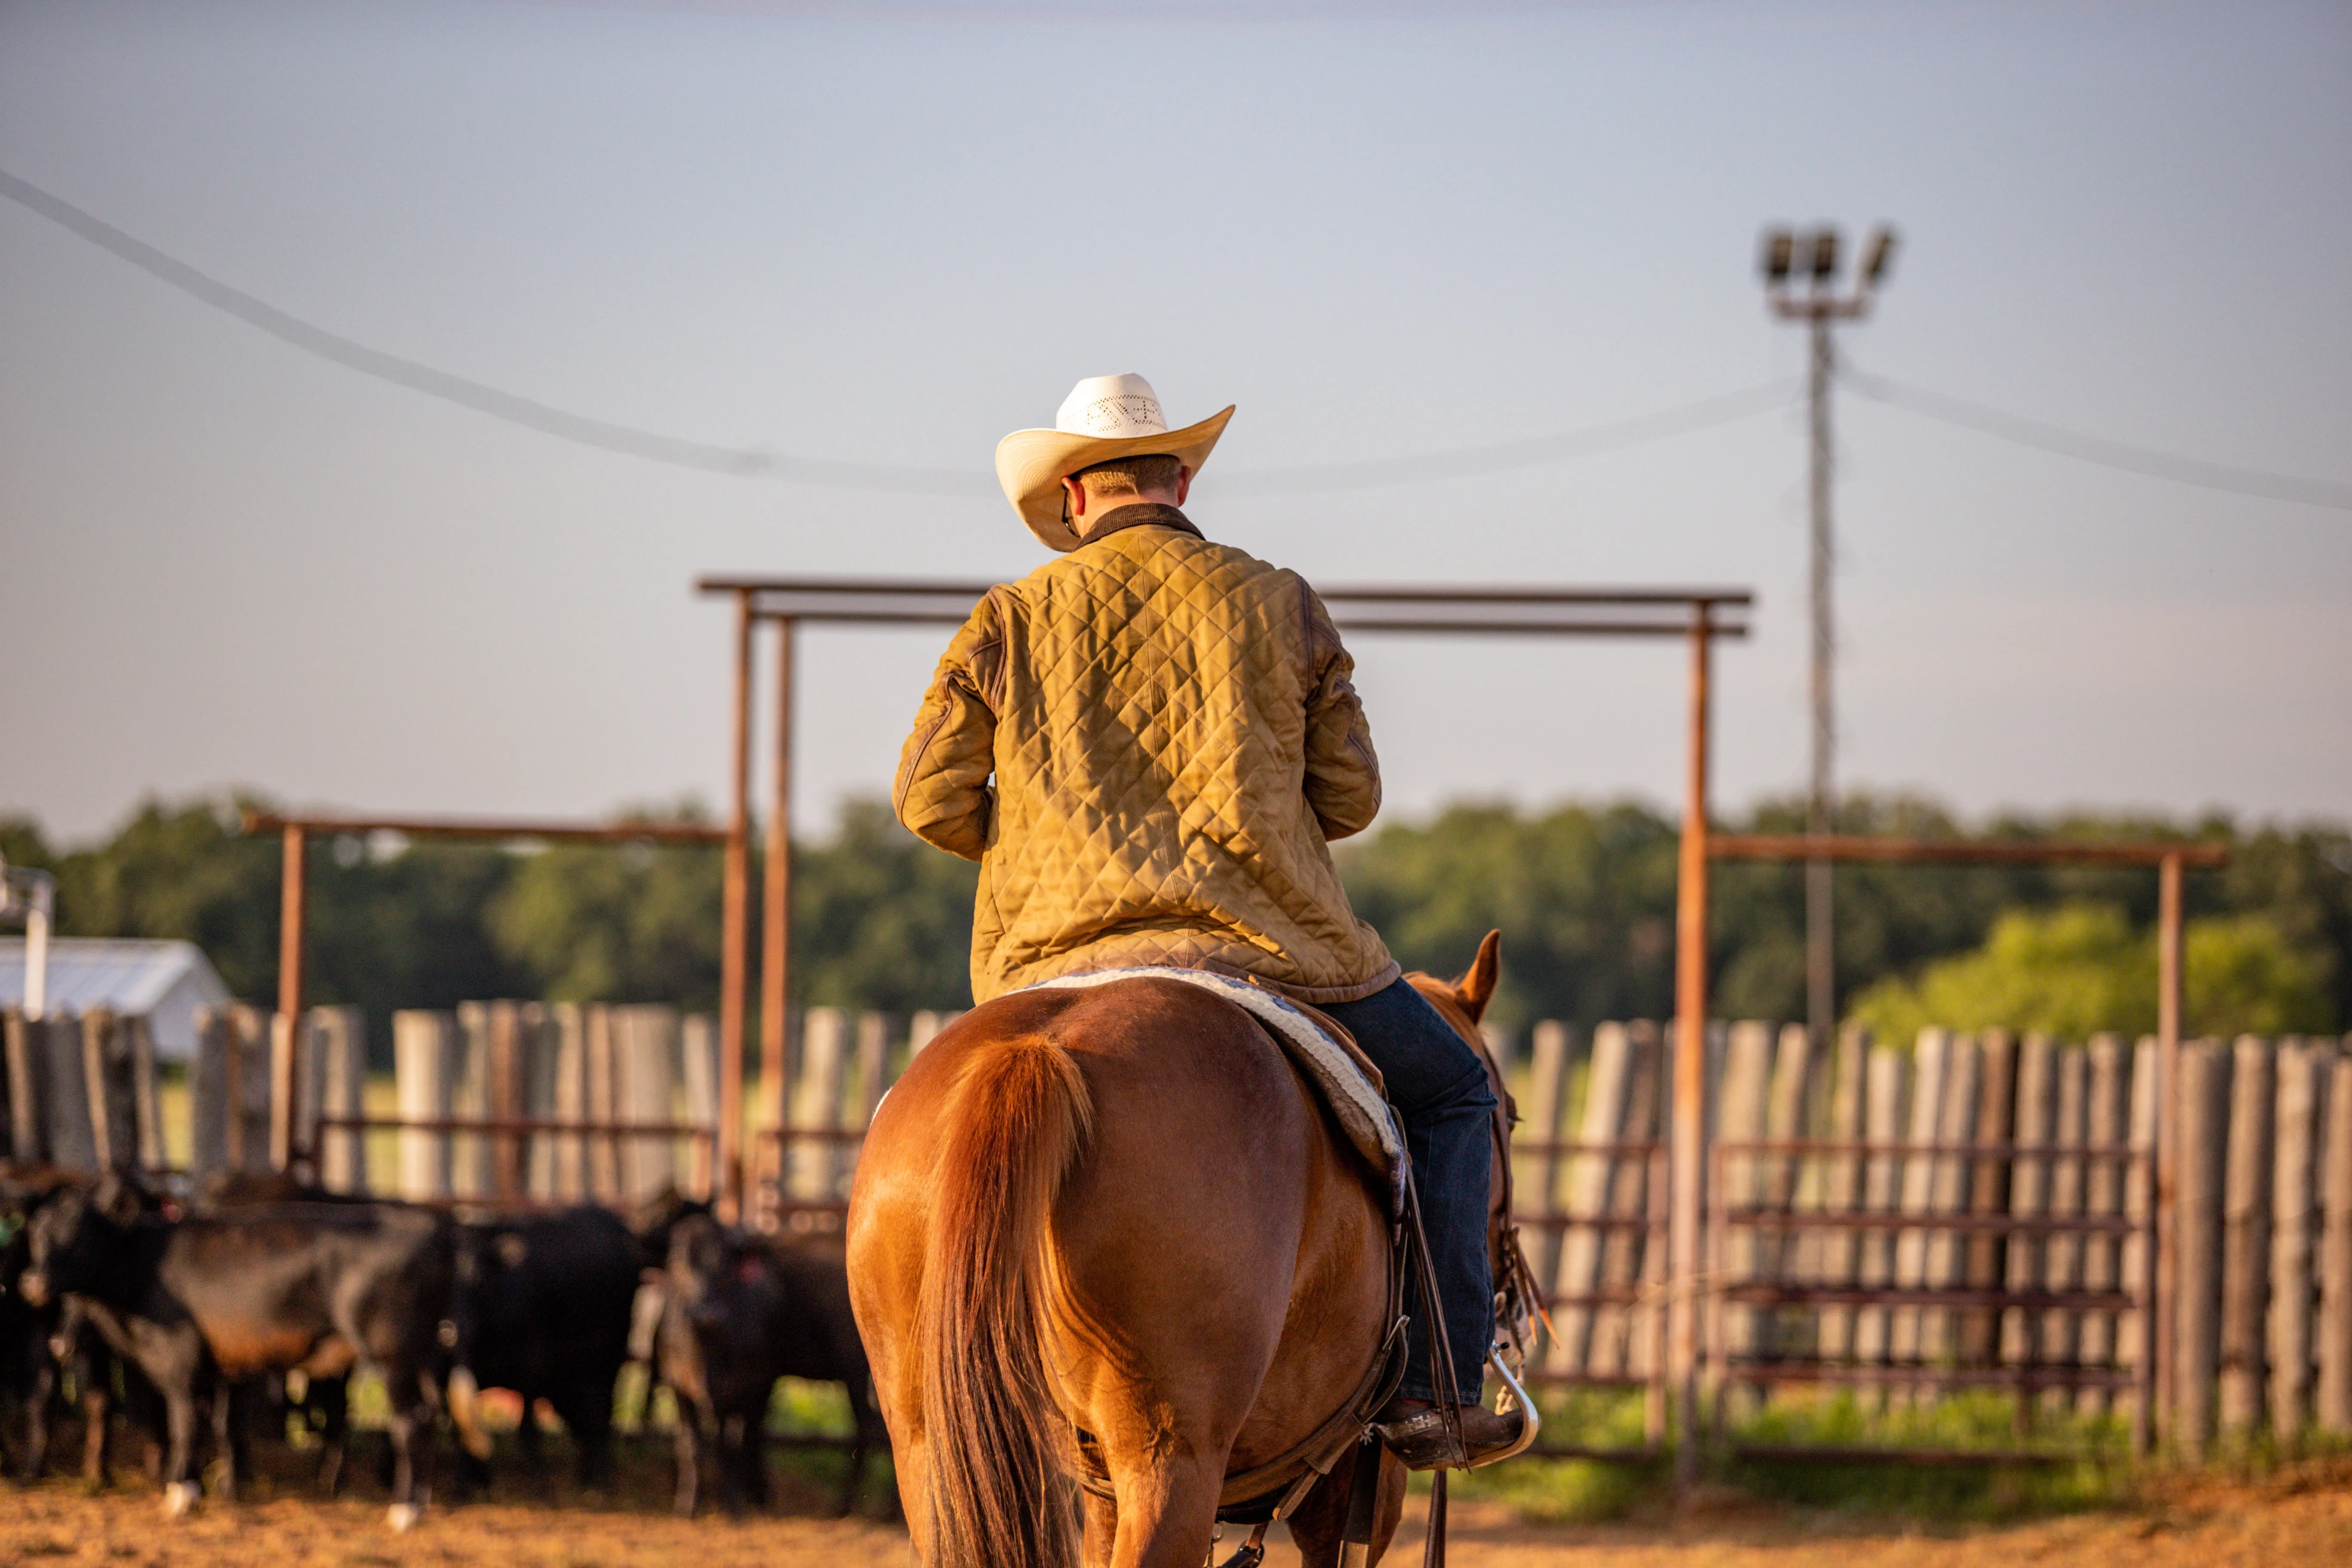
[1016, 1122]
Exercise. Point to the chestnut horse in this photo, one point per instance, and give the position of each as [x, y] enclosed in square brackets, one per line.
[1121, 1211]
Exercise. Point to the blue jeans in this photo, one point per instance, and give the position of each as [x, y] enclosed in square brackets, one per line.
[1439, 1086]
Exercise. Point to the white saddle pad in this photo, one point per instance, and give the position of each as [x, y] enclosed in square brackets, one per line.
[1363, 1111]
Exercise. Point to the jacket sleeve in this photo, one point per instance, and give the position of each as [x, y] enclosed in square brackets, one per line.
[1343, 775]
[942, 793]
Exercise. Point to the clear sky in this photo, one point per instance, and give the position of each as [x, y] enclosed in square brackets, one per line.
[888, 234]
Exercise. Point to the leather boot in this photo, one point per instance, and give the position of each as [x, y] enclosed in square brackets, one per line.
[1414, 1431]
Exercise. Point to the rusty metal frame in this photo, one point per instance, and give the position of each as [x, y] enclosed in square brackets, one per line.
[293, 922]
[1698, 614]
[2150, 1380]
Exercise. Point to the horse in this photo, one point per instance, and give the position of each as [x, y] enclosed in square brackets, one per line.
[1121, 1211]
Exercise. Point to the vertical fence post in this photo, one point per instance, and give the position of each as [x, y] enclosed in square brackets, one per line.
[872, 1071]
[471, 1172]
[2111, 1263]
[568, 1023]
[647, 1058]
[1988, 1192]
[1589, 1181]
[2203, 1157]
[2246, 1234]
[1733, 1334]
[698, 1053]
[1784, 1121]
[604, 1056]
[1949, 1194]
[2159, 1340]
[776, 931]
[208, 1093]
[542, 1039]
[2032, 1195]
[735, 915]
[109, 1079]
[1887, 1070]
[2063, 1258]
[1842, 1189]
[1538, 1178]
[1931, 1062]
[21, 1038]
[1688, 1153]
[1627, 1253]
[286, 1056]
[338, 1042]
[147, 1105]
[2294, 1232]
[424, 1050]
[2335, 1254]
[811, 1163]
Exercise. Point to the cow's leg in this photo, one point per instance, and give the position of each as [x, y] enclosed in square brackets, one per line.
[532, 1442]
[228, 1437]
[734, 1474]
[588, 1419]
[687, 1445]
[95, 1373]
[729, 1435]
[179, 1446]
[755, 1458]
[411, 1429]
[41, 1393]
[330, 1397]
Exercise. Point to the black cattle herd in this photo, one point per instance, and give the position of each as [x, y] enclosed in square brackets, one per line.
[245, 1309]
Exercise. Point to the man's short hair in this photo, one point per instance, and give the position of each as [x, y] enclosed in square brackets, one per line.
[1130, 476]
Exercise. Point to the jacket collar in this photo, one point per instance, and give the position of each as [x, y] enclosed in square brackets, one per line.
[1141, 514]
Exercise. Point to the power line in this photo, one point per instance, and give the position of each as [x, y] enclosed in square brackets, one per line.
[1371, 473]
[746, 463]
[2096, 449]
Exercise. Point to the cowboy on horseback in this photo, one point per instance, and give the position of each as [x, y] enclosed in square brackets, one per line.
[1149, 744]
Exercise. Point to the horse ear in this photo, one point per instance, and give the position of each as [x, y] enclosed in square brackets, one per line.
[1476, 987]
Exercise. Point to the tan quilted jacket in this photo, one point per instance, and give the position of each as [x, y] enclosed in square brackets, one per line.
[1173, 741]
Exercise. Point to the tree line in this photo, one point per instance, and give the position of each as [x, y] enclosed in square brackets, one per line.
[1583, 893]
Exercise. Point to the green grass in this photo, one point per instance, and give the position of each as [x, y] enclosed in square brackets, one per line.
[1975, 1421]
[1576, 1491]
[1580, 1491]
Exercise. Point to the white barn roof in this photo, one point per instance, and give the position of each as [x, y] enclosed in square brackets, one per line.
[162, 982]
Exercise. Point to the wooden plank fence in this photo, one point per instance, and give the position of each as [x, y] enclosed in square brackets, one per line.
[1959, 1210]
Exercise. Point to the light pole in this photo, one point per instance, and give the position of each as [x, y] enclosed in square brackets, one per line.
[1800, 281]
[31, 896]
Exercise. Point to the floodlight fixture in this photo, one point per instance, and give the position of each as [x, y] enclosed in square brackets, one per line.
[1825, 255]
[1779, 250]
[1881, 251]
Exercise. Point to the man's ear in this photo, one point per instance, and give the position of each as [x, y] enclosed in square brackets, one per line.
[1073, 500]
[1184, 483]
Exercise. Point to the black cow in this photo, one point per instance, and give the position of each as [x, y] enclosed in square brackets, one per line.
[199, 1302]
[741, 1312]
[543, 1310]
[321, 1403]
[45, 1347]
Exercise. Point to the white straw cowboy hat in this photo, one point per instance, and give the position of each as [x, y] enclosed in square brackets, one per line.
[1105, 416]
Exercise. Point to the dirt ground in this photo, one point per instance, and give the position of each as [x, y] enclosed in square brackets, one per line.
[2296, 1517]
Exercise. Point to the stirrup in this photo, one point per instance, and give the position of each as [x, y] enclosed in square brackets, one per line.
[1514, 1398]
